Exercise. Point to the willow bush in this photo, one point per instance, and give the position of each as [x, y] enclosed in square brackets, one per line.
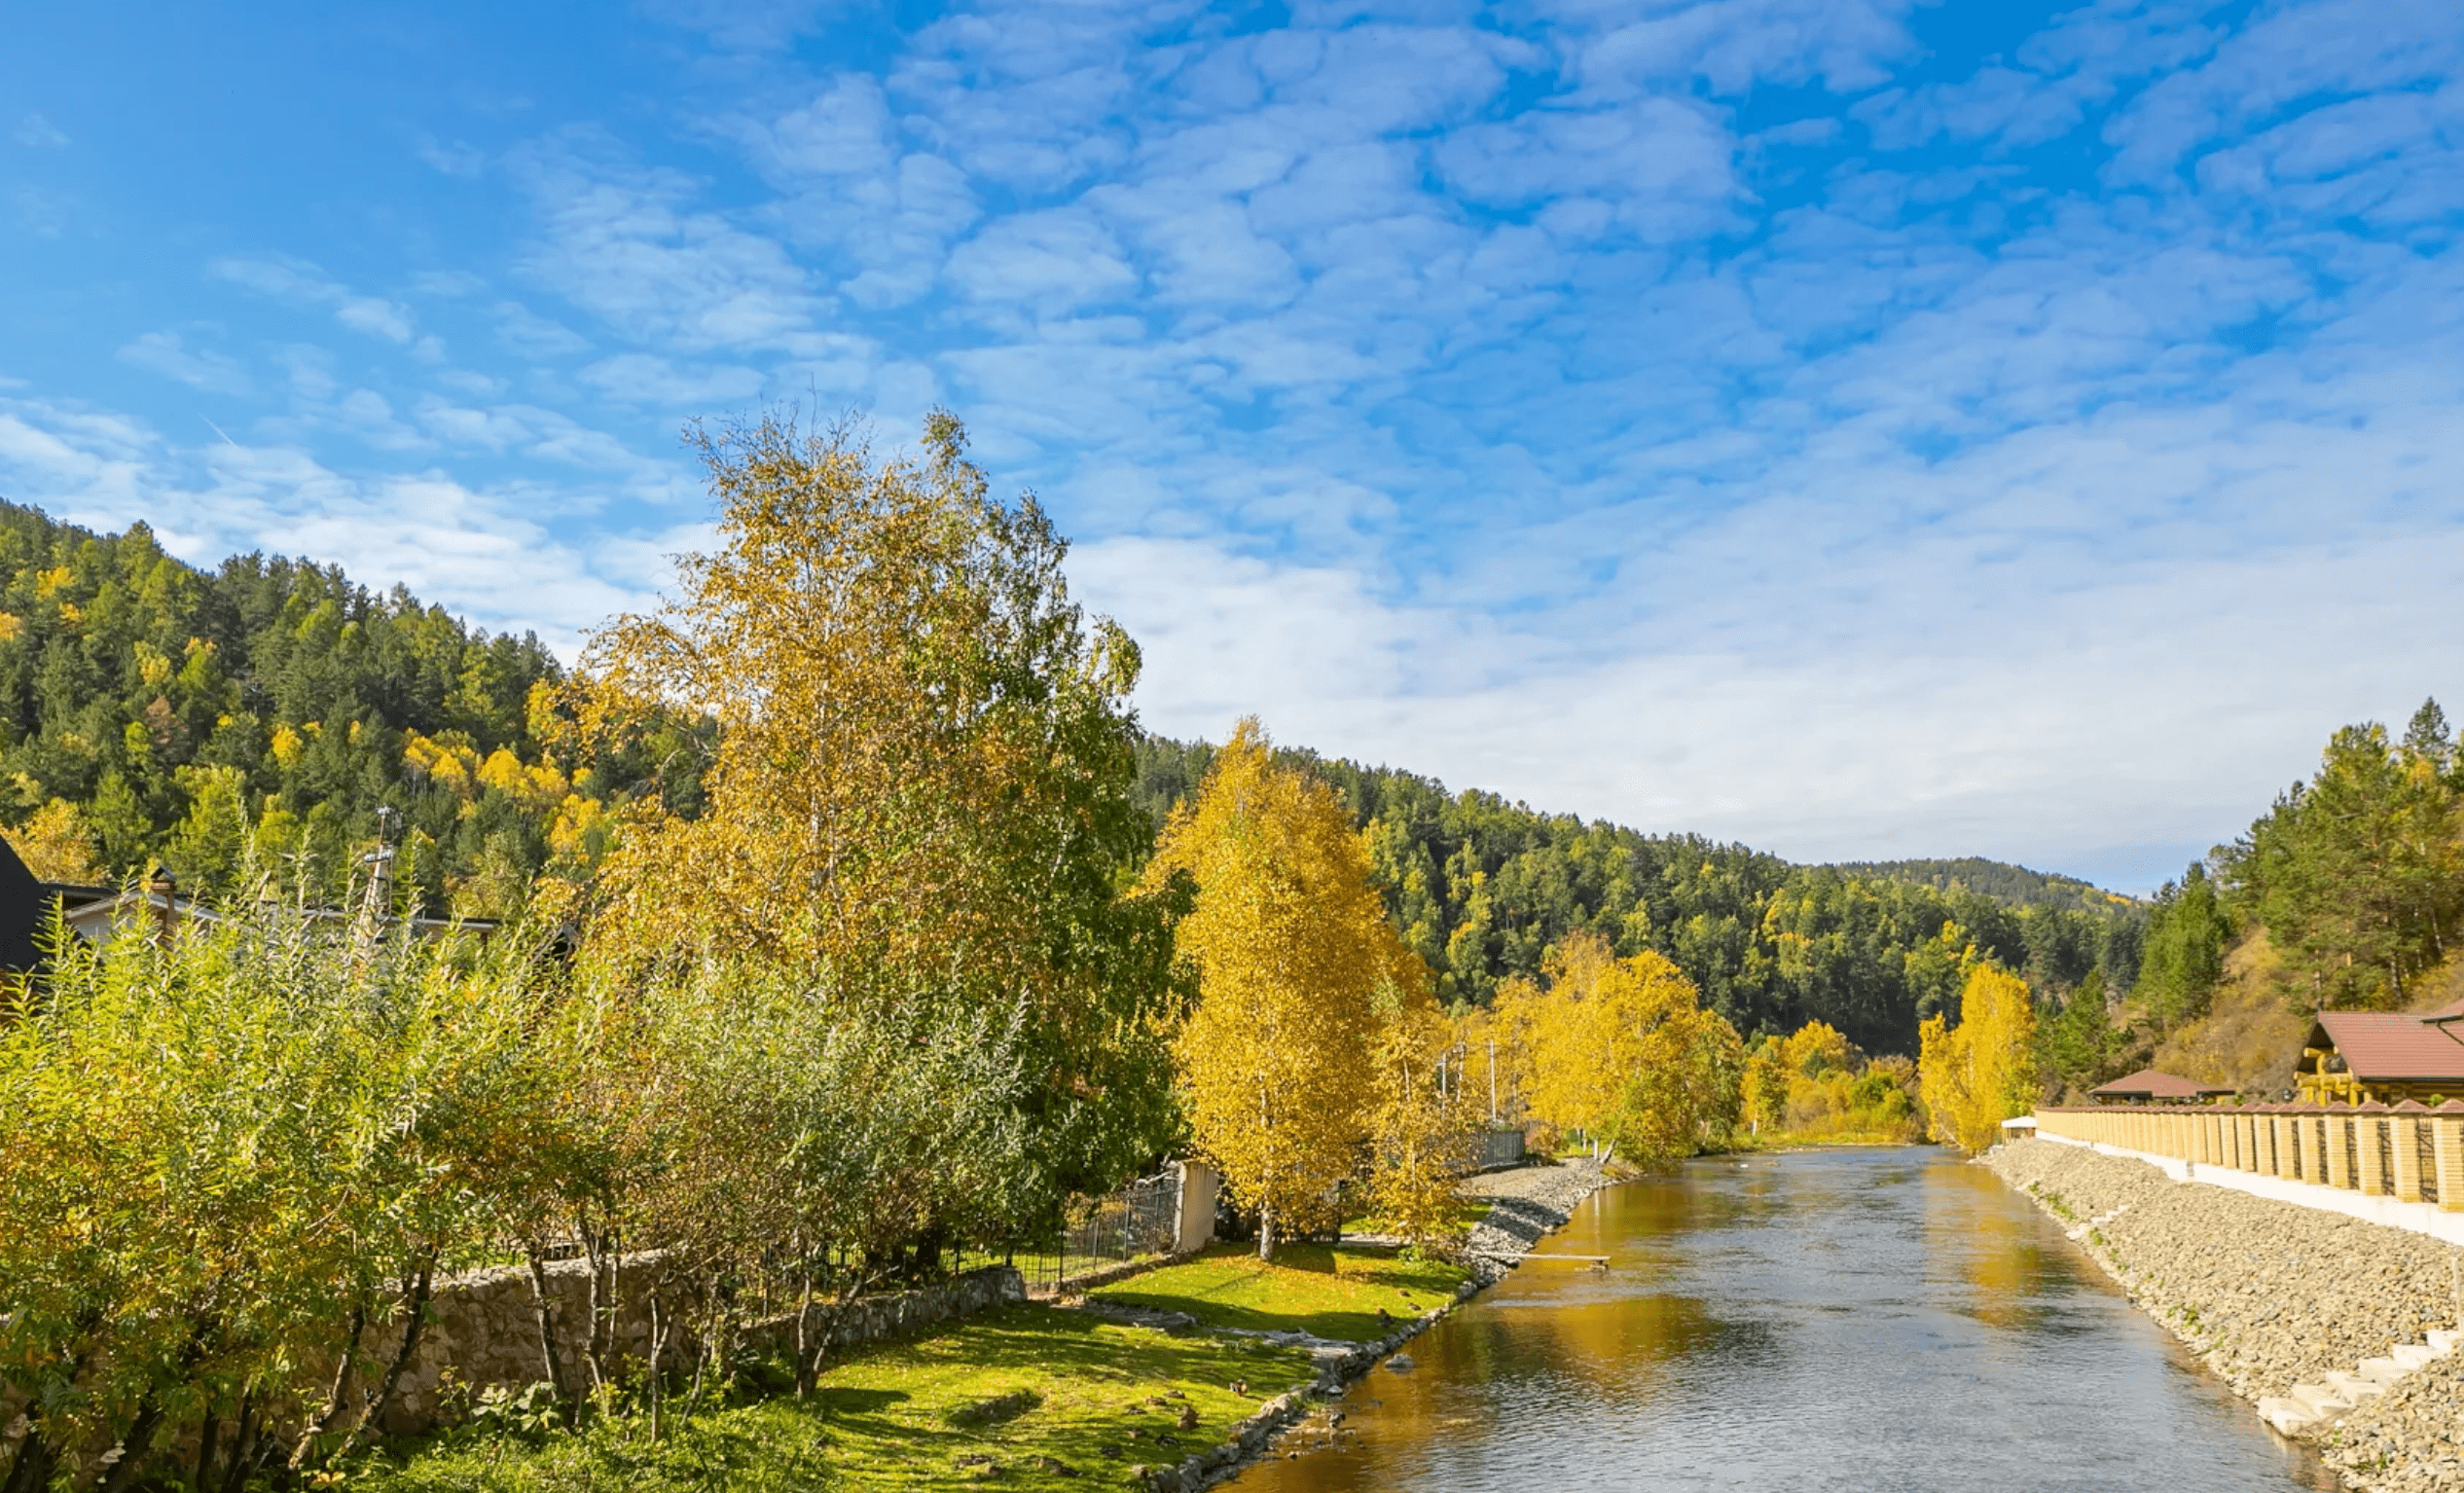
[231, 1155]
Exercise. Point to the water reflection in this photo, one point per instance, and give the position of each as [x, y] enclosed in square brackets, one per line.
[1849, 1320]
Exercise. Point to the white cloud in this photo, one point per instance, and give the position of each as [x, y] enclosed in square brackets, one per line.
[376, 318]
[637, 378]
[1049, 261]
[36, 132]
[620, 245]
[485, 553]
[453, 159]
[2069, 632]
[297, 281]
[162, 352]
[527, 334]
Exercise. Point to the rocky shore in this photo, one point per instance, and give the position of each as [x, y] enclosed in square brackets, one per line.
[1527, 1203]
[2339, 1331]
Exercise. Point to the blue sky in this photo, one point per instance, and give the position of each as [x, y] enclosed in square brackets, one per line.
[1857, 427]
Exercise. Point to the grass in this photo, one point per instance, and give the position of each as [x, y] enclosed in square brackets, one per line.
[896, 1416]
[1309, 1287]
[1466, 1211]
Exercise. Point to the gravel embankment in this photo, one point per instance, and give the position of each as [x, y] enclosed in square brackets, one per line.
[2273, 1296]
[1527, 1204]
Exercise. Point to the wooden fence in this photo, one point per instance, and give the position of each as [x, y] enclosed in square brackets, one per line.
[2406, 1152]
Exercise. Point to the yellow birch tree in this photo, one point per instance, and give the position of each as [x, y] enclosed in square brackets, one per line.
[1977, 1075]
[1293, 956]
[1622, 1047]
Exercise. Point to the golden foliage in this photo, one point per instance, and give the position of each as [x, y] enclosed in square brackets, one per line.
[56, 845]
[1422, 1123]
[1280, 1060]
[915, 728]
[1977, 1075]
[1623, 1049]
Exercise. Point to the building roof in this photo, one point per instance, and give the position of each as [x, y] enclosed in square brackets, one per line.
[2383, 1046]
[2148, 1083]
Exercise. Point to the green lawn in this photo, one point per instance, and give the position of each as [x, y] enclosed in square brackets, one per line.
[893, 1417]
[1309, 1287]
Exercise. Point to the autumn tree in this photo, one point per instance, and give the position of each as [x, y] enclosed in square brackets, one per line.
[919, 783]
[1982, 1071]
[1421, 1128]
[228, 1154]
[1280, 1059]
[1622, 1049]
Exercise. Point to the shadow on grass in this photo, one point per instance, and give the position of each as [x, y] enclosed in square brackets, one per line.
[1105, 1398]
[1307, 1288]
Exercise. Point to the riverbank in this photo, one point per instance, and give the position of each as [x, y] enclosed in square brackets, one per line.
[2337, 1330]
[1526, 1203]
[1172, 1380]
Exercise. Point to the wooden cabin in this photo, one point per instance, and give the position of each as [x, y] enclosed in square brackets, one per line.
[2148, 1086]
[2353, 1057]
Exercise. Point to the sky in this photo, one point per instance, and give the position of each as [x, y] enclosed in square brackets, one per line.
[1857, 428]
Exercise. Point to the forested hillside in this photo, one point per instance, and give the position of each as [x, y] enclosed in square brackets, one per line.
[2347, 892]
[153, 710]
[1997, 878]
[1482, 888]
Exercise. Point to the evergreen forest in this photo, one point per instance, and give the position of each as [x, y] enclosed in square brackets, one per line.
[1483, 890]
[151, 712]
[155, 712]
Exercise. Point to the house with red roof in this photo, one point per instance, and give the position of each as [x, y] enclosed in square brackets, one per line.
[2352, 1057]
[2148, 1086]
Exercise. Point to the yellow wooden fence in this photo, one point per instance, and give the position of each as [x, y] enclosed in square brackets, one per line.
[2406, 1151]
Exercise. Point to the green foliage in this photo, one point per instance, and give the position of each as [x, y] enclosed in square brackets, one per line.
[2183, 956]
[2358, 874]
[2077, 1046]
[218, 1148]
[1483, 889]
[185, 712]
[2016, 886]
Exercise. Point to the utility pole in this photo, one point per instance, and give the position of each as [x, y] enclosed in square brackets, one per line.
[378, 905]
[1493, 1083]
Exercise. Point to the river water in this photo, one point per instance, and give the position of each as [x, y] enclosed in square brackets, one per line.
[1871, 1318]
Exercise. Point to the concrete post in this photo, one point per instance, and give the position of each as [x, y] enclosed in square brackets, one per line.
[2282, 1147]
[2368, 1124]
[1194, 1228]
[2446, 1138]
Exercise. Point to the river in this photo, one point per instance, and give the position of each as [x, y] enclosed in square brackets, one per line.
[1877, 1320]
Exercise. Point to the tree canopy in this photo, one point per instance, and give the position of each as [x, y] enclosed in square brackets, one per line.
[1483, 889]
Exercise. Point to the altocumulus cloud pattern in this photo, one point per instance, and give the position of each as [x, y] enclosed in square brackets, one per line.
[1852, 426]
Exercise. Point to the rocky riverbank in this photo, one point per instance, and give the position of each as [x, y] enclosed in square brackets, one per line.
[1525, 1205]
[2339, 1331]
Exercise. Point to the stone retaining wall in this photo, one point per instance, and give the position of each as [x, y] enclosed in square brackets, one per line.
[2278, 1299]
[483, 1327]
